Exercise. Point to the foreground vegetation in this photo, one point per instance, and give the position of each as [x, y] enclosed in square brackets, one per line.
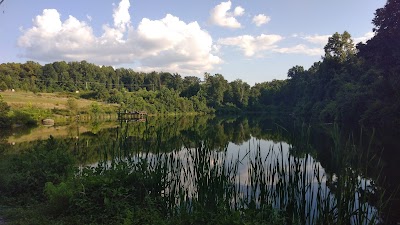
[184, 174]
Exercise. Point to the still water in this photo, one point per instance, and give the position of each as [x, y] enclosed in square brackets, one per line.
[313, 173]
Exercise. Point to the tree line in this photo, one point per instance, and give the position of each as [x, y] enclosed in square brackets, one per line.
[352, 83]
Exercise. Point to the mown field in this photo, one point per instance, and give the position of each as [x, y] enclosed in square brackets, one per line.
[41, 100]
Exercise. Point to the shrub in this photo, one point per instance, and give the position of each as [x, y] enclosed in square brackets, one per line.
[24, 176]
[22, 118]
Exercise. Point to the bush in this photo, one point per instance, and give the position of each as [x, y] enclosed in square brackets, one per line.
[4, 109]
[59, 197]
[62, 112]
[23, 177]
[23, 118]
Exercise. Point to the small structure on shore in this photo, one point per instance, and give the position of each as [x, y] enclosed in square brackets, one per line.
[132, 115]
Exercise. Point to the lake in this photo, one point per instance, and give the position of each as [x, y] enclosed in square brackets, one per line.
[312, 173]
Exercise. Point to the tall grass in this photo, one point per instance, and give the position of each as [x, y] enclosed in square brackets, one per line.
[265, 179]
[140, 179]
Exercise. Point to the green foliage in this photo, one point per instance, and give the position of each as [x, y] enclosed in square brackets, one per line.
[295, 71]
[214, 89]
[72, 106]
[349, 84]
[115, 96]
[95, 109]
[3, 86]
[340, 47]
[58, 111]
[100, 92]
[141, 178]
[59, 197]
[155, 92]
[4, 109]
[24, 176]
[387, 18]
[328, 113]
[22, 118]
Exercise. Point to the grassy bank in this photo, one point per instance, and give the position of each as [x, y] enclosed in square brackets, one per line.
[18, 100]
[30, 108]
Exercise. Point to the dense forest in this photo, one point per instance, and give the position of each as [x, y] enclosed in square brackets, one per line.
[353, 83]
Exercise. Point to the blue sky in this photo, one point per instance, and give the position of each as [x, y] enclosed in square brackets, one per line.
[255, 41]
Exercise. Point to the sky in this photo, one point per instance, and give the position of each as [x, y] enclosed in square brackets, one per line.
[255, 41]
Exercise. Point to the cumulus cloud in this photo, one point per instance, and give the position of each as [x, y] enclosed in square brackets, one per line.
[301, 49]
[251, 45]
[121, 15]
[167, 44]
[50, 37]
[261, 19]
[221, 16]
[174, 45]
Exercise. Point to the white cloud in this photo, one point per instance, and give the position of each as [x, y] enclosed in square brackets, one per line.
[121, 15]
[121, 24]
[320, 40]
[251, 45]
[300, 49]
[50, 37]
[168, 44]
[256, 45]
[49, 22]
[221, 16]
[174, 45]
[364, 38]
[261, 19]
[239, 11]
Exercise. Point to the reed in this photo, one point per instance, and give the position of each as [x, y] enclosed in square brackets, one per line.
[270, 182]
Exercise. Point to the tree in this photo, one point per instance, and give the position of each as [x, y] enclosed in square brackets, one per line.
[171, 81]
[115, 96]
[295, 71]
[240, 92]
[340, 47]
[215, 88]
[152, 81]
[382, 55]
[387, 19]
[190, 86]
[3, 86]
[50, 76]
[383, 49]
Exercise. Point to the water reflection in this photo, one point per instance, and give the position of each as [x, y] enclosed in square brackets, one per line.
[248, 162]
[258, 173]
